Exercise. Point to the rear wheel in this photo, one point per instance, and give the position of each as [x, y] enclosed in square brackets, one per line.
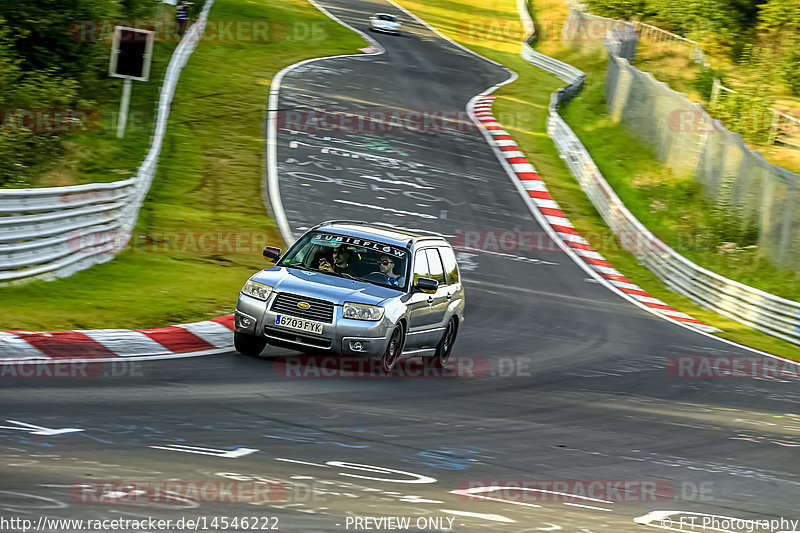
[445, 345]
[248, 344]
[393, 350]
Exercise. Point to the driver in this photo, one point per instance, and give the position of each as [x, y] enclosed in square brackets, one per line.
[386, 265]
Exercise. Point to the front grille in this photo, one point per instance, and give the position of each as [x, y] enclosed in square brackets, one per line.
[320, 310]
[291, 336]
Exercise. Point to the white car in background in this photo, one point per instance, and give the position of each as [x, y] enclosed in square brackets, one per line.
[384, 22]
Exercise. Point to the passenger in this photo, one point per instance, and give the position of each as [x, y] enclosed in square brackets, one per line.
[341, 262]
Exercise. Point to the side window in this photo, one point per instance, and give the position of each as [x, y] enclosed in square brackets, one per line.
[420, 266]
[450, 265]
[435, 265]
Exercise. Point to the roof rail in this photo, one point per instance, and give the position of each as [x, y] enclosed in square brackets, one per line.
[329, 222]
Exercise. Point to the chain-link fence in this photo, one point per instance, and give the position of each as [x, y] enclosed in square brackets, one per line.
[739, 182]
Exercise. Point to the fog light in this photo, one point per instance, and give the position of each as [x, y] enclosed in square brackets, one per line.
[244, 322]
[357, 346]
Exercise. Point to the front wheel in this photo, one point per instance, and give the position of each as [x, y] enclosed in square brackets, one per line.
[248, 344]
[393, 350]
[445, 345]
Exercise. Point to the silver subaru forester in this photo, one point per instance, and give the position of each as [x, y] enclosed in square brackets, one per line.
[354, 288]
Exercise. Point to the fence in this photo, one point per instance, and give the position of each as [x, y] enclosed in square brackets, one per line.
[687, 140]
[773, 315]
[56, 231]
[654, 34]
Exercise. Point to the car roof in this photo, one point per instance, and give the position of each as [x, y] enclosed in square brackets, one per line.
[385, 14]
[389, 235]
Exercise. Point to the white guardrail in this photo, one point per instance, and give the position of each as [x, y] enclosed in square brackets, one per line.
[771, 314]
[54, 232]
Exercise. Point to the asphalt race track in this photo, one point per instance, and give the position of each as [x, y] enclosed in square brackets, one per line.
[559, 379]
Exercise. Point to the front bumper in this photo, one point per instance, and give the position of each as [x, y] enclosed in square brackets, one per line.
[386, 29]
[343, 336]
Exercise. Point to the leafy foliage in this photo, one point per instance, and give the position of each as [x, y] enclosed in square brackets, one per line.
[704, 81]
[618, 9]
[45, 66]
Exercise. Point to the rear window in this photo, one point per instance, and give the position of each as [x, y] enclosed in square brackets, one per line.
[386, 17]
[450, 265]
[435, 268]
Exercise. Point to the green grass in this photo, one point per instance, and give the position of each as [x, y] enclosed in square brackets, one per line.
[208, 184]
[526, 102]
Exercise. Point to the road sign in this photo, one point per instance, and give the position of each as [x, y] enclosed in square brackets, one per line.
[131, 52]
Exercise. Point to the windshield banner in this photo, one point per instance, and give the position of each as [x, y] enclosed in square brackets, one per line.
[327, 239]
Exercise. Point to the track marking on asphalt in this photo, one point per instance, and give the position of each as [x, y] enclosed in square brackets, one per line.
[483, 516]
[588, 507]
[225, 454]
[515, 257]
[39, 430]
[474, 493]
[398, 212]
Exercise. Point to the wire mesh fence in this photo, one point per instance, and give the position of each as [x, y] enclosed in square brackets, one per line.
[738, 181]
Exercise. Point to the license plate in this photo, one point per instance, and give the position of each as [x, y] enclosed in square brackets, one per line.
[298, 324]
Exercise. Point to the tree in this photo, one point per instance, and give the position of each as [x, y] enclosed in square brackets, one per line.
[617, 9]
[779, 27]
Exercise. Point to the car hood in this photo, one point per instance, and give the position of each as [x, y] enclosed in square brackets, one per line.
[387, 24]
[324, 286]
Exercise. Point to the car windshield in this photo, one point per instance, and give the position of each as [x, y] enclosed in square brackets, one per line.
[389, 18]
[350, 257]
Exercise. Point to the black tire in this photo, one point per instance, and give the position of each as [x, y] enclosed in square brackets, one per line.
[445, 345]
[248, 344]
[393, 350]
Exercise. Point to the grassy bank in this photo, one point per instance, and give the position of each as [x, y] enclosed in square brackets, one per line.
[202, 227]
[526, 102]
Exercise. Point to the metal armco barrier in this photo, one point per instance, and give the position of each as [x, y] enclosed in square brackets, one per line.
[54, 232]
[771, 314]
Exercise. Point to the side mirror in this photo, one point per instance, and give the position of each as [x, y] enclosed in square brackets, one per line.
[272, 253]
[427, 285]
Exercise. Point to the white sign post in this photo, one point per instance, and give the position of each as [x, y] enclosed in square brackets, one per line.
[131, 54]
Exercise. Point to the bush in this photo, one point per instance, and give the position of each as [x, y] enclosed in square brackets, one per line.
[42, 66]
[790, 72]
[704, 81]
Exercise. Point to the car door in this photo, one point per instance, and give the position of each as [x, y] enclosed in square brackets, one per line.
[420, 313]
[438, 302]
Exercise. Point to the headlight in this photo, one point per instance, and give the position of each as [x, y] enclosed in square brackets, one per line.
[257, 290]
[362, 311]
